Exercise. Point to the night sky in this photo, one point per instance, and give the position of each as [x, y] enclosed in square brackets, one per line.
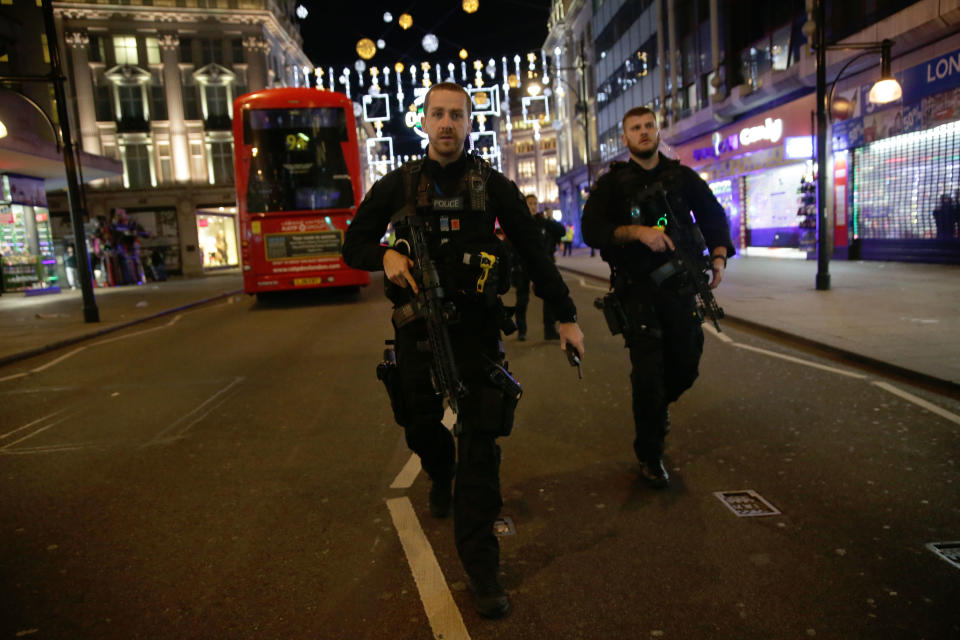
[498, 28]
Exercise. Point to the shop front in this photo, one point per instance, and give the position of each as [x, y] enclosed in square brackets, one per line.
[897, 167]
[761, 170]
[217, 236]
[29, 261]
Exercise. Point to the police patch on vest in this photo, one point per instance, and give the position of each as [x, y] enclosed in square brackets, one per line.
[448, 204]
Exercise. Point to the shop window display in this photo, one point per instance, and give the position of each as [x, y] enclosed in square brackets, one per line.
[217, 237]
[26, 242]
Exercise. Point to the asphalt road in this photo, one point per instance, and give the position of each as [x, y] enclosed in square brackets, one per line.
[227, 472]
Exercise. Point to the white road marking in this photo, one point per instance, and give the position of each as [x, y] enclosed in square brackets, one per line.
[583, 283]
[408, 474]
[15, 376]
[57, 361]
[713, 331]
[411, 469]
[206, 404]
[442, 612]
[29, 424]
[137, 333]
[807, 363]
[929, 406]
[37, 432]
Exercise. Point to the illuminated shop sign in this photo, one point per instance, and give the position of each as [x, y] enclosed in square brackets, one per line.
[770, 131]
[797, 147]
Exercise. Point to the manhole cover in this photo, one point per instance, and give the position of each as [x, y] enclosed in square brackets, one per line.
[949, 551]
[746, 503]
[504, 527]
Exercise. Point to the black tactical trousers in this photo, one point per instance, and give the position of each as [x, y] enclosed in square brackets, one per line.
[522, 283]
[665, 340]
[477, 500]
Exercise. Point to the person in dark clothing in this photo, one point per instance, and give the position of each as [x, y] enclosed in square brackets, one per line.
[945, 218]
[551, 232]
[459, 197]
[521, 282]
[624, 218]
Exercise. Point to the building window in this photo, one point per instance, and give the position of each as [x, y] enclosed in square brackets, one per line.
[97, 49]
[548, 144]
[102, 101]
[125, 49]
[186, 50]
[158, 102]
[526, 168]
[221, 163]
[136, 161]
[550, 166]
[166, 168]
[130, 98]
[236, 46]
[211, 51]
[153, 50]
[216, 101]
[190, 109]
[526, 146]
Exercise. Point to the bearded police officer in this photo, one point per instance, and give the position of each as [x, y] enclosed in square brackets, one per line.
[626, 218]
[459, 196]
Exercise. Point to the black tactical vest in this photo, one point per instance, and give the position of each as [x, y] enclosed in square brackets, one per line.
[460, 230]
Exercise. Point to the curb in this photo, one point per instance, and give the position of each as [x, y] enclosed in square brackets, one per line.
[29, 353]
[932, 383]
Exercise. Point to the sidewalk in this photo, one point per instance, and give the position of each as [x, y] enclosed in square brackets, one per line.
[901, 315]
[32, 325]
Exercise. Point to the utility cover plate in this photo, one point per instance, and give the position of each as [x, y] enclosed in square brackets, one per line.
[504, 527]
[746, 503]
[949, 551]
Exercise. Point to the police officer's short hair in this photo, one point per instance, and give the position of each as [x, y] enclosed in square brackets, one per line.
[637, 112]
[448, 86]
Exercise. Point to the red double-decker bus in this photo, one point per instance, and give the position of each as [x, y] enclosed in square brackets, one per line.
[298, 183]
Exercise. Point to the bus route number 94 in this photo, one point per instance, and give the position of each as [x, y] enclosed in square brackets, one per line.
[297, 141]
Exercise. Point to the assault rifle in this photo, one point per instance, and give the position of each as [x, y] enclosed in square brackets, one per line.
[681, 262]
[431, 305]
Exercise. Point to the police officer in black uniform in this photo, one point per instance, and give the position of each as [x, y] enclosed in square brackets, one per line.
[460, 197]
[624, 218]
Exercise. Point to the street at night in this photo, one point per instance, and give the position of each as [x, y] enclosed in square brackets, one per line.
[227, 471]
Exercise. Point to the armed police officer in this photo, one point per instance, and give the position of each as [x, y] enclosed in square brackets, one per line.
[638, 215]
[455, 198]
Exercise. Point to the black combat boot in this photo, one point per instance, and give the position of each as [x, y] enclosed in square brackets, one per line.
[653, 471]
[489, 597]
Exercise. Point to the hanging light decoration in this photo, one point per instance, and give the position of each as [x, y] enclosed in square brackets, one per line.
[366, 49]
[463, 54]
[388, 17]
[470, 6]
[398, 68]
[513, 81]
[430, 43]
[405, 21]
[381, 43]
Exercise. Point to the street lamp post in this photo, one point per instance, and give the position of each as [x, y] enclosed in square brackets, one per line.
[885, 90]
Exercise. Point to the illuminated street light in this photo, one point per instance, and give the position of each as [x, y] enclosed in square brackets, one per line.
[3, 130]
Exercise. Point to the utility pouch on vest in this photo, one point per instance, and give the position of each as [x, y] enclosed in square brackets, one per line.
[389, 374]
[613, 313]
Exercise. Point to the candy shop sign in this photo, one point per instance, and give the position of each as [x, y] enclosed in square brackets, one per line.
[771, 129]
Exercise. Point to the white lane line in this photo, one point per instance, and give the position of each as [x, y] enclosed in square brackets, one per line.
[807, 363]
[438, 603]
[411, 469]
[15, 376]
[176, 423]
[54, 448]
[37, 432]
[30, 424]
[57, 361]
[408, 474]
[583, 283]
[943, 413]
[713, 331]
[137, 333]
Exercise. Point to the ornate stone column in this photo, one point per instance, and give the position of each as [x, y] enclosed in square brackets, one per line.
[179, 150]
[79, 45]
[257, 50]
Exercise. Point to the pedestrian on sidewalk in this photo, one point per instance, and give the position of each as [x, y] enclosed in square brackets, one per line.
[551, 232]
[626, 217]
[568, 241]
[70, 266]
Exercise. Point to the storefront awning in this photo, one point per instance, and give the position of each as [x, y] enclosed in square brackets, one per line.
[31, 156]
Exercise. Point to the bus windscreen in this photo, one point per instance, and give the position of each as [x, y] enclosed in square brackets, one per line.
[297, 160]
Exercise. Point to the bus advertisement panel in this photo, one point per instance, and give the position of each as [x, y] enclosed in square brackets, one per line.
[298, 183]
